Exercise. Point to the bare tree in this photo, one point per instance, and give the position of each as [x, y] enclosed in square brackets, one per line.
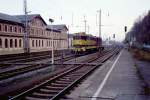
[140, 31]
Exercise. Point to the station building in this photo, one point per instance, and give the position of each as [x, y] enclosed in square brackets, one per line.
[12, 34]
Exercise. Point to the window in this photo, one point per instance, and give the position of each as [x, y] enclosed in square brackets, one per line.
[47, 33]
[32, 43]
[56, 34]
[39, 43]
[55, 44]
[6, 43]
[15, 42]
[15, 29]
[36, 32]
[36, 43]
[44, 32]
[42, 43]
[11, 43]
[32, 31]
[0, 27]
[20, 30]
[20, 42]
[40, 31]
[47, 43]
[11, 28]
[52, 35]
[0, 43]
[51, 43]
[5, 28]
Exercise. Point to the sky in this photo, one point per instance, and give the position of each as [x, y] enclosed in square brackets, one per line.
[115, 14]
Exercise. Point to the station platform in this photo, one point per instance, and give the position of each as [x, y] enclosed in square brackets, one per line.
[117, 79]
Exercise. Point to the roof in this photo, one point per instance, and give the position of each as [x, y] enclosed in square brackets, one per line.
[50, 28]
[29, 17]
[59, 27]
[9, 18]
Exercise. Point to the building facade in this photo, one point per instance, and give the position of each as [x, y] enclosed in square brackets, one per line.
[12, 34]
[61, 36]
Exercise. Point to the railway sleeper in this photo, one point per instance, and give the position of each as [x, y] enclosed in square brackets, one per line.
[63, 82]
[48, 91]
[77, 74]
[59, 84]
[66, 79]
[83, 70]
[42, 95]
[54, 88]
[73, 78]
[34, 98]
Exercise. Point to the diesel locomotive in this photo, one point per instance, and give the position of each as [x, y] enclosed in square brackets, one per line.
[85, 43]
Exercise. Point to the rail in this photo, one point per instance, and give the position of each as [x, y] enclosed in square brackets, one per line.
[59, 85]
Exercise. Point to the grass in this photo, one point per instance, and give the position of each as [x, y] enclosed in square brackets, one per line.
[140, 54]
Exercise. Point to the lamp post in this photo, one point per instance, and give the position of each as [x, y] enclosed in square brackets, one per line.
[68, 38]
[51, 21]
[85, 23]
[99, 11]
[26, 35]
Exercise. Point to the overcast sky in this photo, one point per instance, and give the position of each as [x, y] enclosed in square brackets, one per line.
[115, 13]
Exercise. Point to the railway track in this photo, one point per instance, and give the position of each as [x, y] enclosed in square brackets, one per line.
[10, 62]
[29, 59]
[15, 57]
[32, 67]
[28, 68]
[20, 56]
[58, 86]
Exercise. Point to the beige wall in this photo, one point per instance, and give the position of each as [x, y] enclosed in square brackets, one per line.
[40, 38]
[11, 39]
